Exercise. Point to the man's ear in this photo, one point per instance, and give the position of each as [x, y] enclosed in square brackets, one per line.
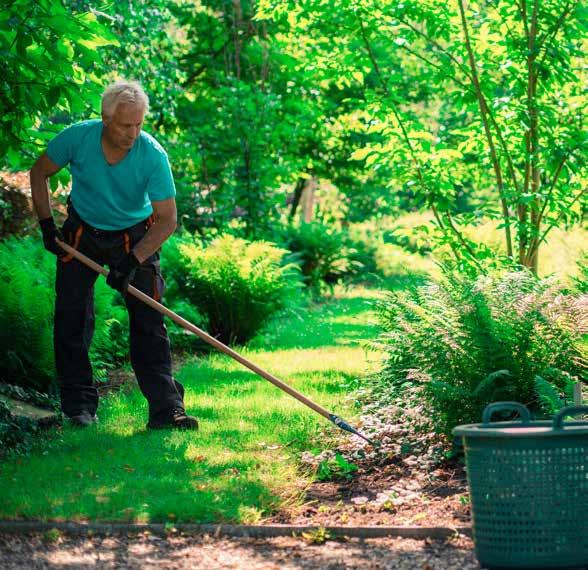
[105, 120]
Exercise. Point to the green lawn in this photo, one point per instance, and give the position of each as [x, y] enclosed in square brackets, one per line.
[243, 461]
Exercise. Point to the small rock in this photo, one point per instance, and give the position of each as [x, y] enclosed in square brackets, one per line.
[359, 500]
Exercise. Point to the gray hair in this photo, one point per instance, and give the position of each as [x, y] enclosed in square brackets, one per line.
[123, 91]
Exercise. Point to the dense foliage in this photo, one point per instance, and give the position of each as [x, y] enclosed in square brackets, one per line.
[450, 101]
[49, 58]
[459, 344]
[322, 252]
[26, 317]
[235, 284]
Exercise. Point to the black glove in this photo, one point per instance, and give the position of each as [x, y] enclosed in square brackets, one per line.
[50, 232]
[122, 273]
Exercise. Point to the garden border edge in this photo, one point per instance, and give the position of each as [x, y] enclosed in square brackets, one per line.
[232, 531]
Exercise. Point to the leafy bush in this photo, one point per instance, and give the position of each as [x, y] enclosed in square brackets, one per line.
[235, 284]
[174, 265]
[27, 298]
[180, 338]
[322, 252]
[409, 231]
[26, 313]
[460, 344]
[364, 243]
[394, 260]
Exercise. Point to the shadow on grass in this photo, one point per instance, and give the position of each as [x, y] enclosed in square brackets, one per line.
[330, 323]
[145, 476]
[212, 376]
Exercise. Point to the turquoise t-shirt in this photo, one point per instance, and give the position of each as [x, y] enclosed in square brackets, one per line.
[112, 197]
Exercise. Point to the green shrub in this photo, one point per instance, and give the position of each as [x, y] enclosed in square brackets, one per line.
[393, 260]
[180, 338]
[110, 344]
[175, 269]
[374, 256]
[460, 344]
[363, 247]
[408, 232]
[321, 251]
[26, 313]
[237, 285]
[27, 297]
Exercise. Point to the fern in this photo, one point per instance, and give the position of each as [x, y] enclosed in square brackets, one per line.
[581, 281]
[480, 340]
[548, 398]
[27, 297]
[234, 284]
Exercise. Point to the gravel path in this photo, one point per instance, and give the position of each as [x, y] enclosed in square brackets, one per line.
[146, 551]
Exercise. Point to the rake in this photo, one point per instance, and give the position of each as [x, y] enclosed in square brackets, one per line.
[339, 422]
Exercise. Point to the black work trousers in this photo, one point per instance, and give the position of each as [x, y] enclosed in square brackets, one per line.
[74, 320]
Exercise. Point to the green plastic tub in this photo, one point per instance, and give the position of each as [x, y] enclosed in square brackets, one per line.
[528, 484]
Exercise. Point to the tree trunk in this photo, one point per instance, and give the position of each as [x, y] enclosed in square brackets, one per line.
[237, 28]
[297, 195]
[307, 199]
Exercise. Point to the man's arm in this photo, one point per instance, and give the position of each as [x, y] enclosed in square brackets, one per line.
[165, 214]
[43, 168]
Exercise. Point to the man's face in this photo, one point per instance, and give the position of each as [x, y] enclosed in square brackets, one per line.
[124, 126]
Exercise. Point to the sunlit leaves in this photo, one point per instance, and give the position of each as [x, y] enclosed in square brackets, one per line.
[47, 52]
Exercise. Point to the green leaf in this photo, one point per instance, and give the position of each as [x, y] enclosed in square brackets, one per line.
[97, 41]
[447, 153]
[360, 153]
[358, 76]
[424, 135]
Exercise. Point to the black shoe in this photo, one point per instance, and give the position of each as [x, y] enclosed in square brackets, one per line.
[173, 418]
[83, 419]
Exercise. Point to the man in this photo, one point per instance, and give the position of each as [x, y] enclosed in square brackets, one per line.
[120, 211]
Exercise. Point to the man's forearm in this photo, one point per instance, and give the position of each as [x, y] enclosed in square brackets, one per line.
[153, 239]
[40, 194]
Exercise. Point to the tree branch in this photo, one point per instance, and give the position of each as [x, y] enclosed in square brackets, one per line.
[554, 222]
[551, 34]
[436, 44]
[202, 68]
[483, 113]
[535, 241]
[463, 242]
[532, 174]
[436, 66]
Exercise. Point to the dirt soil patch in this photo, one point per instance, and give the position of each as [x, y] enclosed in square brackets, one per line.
[410, 482]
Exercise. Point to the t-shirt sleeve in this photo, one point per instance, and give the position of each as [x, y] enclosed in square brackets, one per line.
[160, 185]
[61, 149]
